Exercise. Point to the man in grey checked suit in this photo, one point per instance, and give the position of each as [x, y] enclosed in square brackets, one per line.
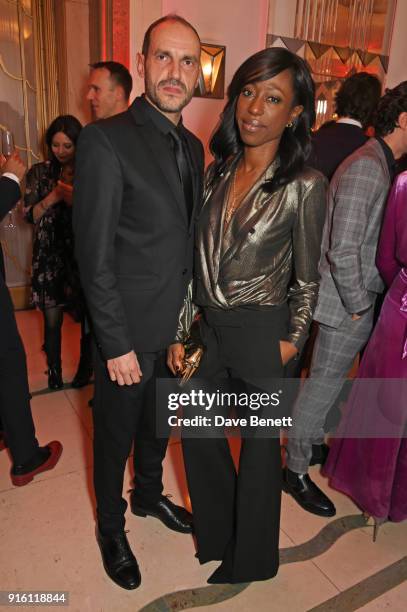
[349, 286]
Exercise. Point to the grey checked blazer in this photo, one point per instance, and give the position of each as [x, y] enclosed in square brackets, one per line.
[357, 196]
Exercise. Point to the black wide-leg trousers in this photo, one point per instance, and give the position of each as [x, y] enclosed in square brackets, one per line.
[237, 514]
[122, 415]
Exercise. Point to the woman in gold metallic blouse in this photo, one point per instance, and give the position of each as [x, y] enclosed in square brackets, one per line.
[256, 283]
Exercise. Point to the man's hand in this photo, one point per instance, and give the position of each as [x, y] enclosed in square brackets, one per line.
[124, 370]
[355, 317]
[66, 192]
[14, 164]
[288, 350]
[175, 356]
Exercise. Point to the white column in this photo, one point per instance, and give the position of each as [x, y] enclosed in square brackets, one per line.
[397, 71]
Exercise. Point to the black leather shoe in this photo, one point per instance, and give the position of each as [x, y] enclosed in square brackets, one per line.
[173, 516]
[55, 378]
[320, 454]
[118, 560]
[82, 377]
[307, 494]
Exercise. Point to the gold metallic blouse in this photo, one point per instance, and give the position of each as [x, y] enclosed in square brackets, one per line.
[269, 252]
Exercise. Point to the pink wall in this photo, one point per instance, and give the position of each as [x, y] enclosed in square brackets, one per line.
[240, 25]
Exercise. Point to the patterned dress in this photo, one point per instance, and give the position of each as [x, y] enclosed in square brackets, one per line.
[55, 279]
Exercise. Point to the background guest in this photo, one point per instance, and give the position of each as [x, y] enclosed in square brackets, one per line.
[55, 278]
[356, 101]
[28, 457]
[373, 471]
[109, 88]
[350, 283]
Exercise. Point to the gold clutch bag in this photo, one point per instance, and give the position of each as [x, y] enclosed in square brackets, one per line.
[194, 351]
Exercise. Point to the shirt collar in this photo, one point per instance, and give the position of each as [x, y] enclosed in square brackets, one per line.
[161, 122]
[388, 153]
[349, 121]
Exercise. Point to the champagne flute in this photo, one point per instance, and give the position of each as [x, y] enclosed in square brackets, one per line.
[7, 143]
[7, 147]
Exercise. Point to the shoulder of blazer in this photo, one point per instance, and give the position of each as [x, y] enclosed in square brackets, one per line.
[373, 160]
[9, 194]
[112, 125]
[371, 149]
[310, 176]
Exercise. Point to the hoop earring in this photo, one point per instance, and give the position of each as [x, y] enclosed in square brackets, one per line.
[290, 124]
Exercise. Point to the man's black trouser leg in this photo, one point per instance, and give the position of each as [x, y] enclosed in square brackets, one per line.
[15, 410]
[149, 451]
[116, 415]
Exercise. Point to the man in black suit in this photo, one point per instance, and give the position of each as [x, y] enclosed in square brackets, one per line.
[29, 459]
[356, 101]
[137, 189]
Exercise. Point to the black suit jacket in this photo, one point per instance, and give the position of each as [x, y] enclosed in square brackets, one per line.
[332, 143]
[133, 240]
[9, 196]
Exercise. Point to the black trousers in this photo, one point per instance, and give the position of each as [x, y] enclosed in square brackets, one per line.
[15, 410]
[121, 415]
[237, 515]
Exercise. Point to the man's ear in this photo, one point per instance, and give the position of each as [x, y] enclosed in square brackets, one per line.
[402, 122]
[140, 61]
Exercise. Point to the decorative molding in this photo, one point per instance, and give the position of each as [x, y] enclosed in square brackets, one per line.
[317, 50]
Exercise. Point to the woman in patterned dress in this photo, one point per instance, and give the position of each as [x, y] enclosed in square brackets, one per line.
[55, 280]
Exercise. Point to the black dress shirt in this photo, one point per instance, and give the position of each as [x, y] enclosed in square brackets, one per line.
[170, 132]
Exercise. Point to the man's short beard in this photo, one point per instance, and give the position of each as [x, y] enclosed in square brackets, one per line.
[162, 105]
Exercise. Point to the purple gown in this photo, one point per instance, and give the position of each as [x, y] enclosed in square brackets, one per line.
[373, 471]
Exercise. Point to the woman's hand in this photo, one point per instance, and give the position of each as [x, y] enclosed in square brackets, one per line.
[66, 192]
[53, 197]
[288, 350]
[175, 356]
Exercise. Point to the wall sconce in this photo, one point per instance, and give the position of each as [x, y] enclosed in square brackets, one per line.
[211, 82]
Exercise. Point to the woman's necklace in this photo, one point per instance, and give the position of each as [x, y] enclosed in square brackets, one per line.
[235, 199]
[232, 203]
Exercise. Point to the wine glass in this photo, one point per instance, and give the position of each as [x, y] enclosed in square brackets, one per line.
[7, 143]
[7, 147]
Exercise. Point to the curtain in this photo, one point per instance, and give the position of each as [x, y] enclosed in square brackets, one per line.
[18, 113]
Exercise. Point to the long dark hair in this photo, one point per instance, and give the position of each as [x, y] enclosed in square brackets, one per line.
[295, 144]
[68, 125]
